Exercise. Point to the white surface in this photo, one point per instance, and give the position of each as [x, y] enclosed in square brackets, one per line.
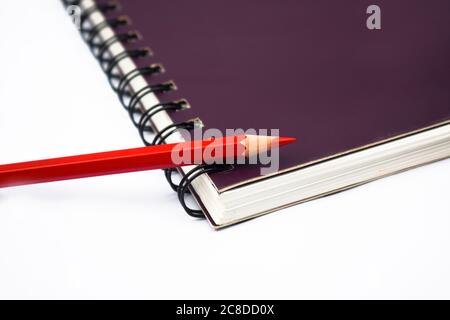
[125, 236]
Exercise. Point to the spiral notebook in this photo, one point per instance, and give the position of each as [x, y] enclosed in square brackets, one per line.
[363, 102]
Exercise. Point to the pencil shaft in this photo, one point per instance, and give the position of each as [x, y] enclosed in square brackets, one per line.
[96, 164]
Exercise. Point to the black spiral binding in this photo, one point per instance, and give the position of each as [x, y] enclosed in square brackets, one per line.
[187, 180]
[120, 83]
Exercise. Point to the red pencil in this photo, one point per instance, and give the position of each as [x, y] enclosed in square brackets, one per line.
[137, 159]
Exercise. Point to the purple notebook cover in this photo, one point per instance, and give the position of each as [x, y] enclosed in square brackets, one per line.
[310, 68]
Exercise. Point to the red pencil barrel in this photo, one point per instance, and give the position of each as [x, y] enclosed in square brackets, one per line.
[114, 162]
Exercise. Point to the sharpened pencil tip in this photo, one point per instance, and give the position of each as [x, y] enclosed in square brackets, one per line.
[285, 140]
[255, 144]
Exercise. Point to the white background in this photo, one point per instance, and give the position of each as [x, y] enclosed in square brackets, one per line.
[126, 236]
